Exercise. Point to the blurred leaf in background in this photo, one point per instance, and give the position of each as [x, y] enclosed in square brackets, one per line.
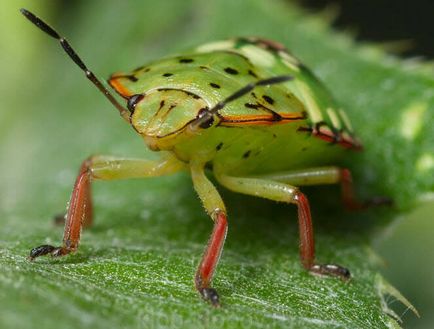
[135, 266]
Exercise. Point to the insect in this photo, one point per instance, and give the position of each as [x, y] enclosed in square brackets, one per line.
[247, 109]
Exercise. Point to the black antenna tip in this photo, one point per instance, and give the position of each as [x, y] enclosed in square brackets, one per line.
[73, 55]
[39, 23]
[30, 16]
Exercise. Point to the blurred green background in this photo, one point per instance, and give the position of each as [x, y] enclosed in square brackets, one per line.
[51, 118]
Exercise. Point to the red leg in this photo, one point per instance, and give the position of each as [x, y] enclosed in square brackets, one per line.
[80, 208]
[307, 242]
[87, 215]
[278, 191]
[79, 214]
[80, 205]
[210, 259]
[328, 175]
[348, 196]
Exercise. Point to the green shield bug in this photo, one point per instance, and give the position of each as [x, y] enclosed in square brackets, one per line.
[244, 107]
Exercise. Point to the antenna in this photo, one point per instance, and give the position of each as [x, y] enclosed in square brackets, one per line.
[77, 60]
[207, 116]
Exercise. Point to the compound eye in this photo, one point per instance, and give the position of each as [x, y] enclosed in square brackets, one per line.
[132, 102]
[205, 118]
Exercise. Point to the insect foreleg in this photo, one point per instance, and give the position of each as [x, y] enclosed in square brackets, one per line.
[215, 208]
[80, 205]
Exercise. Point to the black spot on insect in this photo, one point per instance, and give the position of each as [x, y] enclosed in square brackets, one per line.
[167, 74]
[133, 101]
[251, 106]
[147, 69]
[205, 68]
[230, 70]
[274, 136]
[219, 146]
[161, 105]
[214, 85]
[137, 69]
[268, 99]
[186, 60]
[254, 95]
[253, 74]
[247, 154]
[131, 77]
[195, 96]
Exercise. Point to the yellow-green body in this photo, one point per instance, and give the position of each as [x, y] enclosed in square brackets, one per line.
[266, 131]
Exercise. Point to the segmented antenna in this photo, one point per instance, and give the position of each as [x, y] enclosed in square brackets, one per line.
[206, 116]
[77, 60]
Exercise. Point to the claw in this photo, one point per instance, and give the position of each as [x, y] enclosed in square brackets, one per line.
[46, 249]
[210, 294]
[332, 270]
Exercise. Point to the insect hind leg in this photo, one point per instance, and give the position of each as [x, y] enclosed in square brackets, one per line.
[329, 175]
[282, 192]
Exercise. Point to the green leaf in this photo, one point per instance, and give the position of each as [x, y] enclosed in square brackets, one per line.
[135, 266]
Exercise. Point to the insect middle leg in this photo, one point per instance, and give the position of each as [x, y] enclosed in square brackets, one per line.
[80, 205]
[329, 175]
[286, 193]
[215, 207]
